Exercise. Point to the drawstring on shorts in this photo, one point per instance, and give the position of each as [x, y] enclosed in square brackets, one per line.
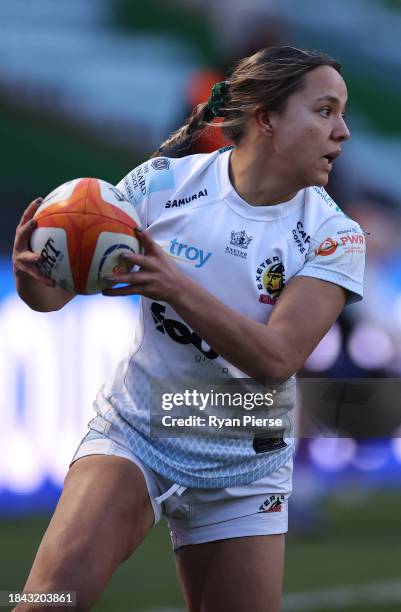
[175, 488]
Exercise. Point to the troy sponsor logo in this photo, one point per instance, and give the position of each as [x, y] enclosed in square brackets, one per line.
[186, 200]
[272, 504]
[239, 239]
[301, 237]
[179, 332]
[270, 277]
[327, 247]
[161, 164]
[188, 253]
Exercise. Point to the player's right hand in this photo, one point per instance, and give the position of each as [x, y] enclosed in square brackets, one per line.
[25, 262]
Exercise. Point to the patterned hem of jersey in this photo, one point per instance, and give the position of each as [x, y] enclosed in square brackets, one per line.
[263, 466]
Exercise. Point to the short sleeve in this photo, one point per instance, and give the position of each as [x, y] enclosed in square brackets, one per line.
[147, 186]
[337, 255]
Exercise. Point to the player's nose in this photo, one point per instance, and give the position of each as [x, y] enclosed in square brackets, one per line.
[341, 131]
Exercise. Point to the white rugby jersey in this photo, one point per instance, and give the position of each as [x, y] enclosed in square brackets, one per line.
[242, 254]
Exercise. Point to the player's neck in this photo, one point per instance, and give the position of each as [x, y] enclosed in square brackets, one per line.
[257, 181]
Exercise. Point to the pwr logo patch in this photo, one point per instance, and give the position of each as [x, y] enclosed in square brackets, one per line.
[272, 504]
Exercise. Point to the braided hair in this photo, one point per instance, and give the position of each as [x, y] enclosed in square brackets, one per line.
[267, 78]
[180, 142]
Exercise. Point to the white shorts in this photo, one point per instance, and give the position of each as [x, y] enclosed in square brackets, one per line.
[196, 516]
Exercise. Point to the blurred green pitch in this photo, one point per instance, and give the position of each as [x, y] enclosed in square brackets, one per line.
[361, 545]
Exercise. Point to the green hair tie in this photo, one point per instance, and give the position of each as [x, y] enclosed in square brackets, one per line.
[218, 98]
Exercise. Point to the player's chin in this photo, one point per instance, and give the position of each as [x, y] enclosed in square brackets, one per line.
[315, 177]
[321, 179]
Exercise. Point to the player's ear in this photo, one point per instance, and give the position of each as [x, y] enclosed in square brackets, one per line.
[263, 119]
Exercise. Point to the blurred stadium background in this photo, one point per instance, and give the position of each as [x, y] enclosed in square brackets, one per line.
[90, 88]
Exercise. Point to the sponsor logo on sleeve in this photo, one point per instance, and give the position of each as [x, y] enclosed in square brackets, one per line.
[118, 195]
[352, 242]
[270, 279]
[145, 179]
[136, 183]
[161, 163]
[239, 243]
[327, 247]
[348, 230]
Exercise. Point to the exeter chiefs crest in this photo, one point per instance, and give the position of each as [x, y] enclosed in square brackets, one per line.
[270, 279]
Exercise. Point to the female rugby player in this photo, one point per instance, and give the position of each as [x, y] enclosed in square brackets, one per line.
[247, 263]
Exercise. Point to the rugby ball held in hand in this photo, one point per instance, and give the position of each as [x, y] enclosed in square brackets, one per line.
[82, 228]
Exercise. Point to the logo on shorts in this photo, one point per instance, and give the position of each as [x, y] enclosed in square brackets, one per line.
[272, 504]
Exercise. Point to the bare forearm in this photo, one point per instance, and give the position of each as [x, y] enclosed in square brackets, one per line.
[40, 297]
[247, 344]
[274, 350]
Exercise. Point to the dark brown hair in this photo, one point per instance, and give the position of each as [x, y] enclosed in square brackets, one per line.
[267, 78]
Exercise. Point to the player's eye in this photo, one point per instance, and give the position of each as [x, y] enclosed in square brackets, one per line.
[325, 112]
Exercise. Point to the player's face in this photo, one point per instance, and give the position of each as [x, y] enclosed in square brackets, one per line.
[311, 127]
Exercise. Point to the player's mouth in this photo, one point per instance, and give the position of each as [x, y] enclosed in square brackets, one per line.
[330, 157]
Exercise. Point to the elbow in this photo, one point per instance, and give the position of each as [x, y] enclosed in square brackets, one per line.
[43, 309]
[41, 306]
[279, 371]
[274, 357]
[47, 300]
[281, 366]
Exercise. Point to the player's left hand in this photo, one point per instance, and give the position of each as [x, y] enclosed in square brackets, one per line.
[158, 277]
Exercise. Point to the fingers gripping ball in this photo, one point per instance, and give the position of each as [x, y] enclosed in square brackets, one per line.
[83, 227]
